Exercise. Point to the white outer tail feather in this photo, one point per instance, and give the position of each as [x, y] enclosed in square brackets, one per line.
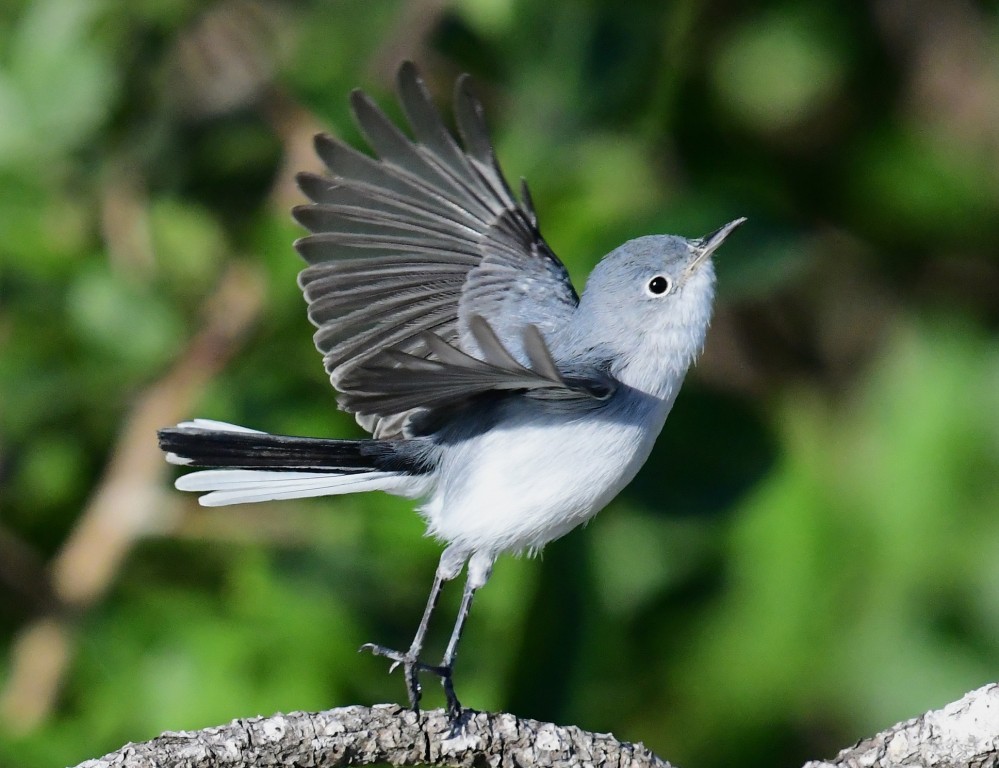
[242, 486]
[217, 426]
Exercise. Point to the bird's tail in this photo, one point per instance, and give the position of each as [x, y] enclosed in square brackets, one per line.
[242, 465]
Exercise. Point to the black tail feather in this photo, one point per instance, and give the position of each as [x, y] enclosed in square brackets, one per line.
[258, 450]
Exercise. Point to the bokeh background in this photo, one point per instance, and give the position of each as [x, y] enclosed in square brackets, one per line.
[812, 552]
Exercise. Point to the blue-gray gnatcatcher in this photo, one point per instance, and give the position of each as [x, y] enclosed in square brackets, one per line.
[511, 407]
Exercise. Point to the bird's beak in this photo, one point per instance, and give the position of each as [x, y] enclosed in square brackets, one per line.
[705, 246]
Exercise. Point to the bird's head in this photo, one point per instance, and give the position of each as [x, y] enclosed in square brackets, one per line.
[648, 303]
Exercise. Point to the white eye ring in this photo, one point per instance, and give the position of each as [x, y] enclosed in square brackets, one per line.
[659, 286]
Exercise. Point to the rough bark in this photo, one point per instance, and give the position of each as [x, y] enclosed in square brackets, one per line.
[381, 734]
[965, 733]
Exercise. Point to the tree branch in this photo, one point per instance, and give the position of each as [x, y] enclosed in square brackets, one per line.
[381, 734]
[964, 734]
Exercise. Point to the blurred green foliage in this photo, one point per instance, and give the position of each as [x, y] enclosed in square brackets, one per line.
[811, 554]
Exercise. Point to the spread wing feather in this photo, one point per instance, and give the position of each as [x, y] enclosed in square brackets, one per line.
[416, 243]
[393, 382]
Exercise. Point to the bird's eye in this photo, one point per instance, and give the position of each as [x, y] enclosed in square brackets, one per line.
[659, 285]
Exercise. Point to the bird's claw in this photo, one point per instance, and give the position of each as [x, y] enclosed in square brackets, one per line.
[397, 658]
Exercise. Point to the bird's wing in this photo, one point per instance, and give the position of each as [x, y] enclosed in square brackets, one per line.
[418, 240]
[394, 382]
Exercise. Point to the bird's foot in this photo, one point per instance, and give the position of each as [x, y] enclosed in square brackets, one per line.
[453, 705]
[412, 666]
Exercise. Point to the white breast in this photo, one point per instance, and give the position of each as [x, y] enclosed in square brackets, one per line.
[519, 486]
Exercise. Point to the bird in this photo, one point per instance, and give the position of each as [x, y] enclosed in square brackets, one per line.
[509, 406]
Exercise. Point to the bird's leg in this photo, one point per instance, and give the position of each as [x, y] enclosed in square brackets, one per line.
[480, 566]
[410, 660]
[446, 668]
[449, 567]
